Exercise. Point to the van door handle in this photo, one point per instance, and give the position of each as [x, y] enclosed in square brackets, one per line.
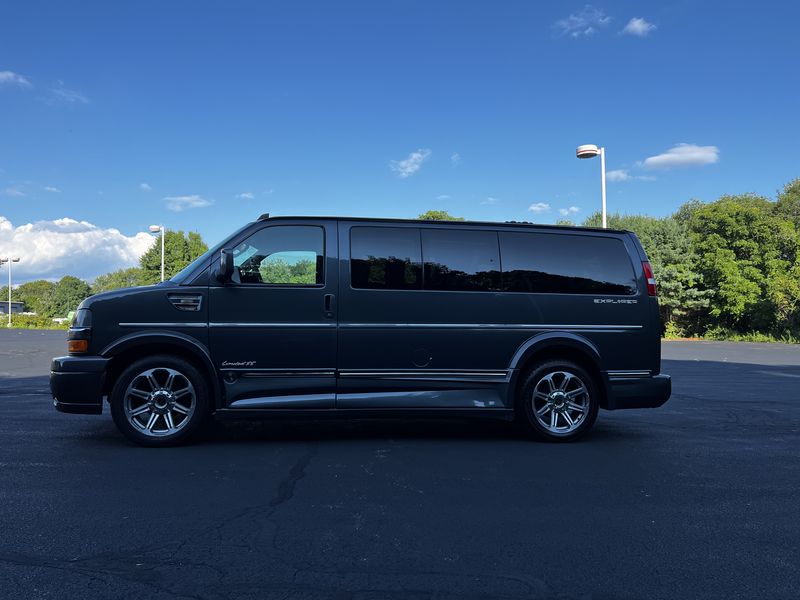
[329, 304]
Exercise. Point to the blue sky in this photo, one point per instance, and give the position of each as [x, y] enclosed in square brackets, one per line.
[203, 115]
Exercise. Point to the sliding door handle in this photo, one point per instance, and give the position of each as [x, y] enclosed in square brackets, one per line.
[330, 303]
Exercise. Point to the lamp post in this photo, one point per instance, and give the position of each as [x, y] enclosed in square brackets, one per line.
[157, 229]
[3, 261]
[590, 151]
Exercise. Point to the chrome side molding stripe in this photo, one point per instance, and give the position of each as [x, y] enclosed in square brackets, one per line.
[164, 325]
[632, 374]
[424, 374]
[486, 326]
[272, 325]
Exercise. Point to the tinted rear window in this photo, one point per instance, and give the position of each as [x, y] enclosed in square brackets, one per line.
[385, 258]
[565, 264]
[461, 260]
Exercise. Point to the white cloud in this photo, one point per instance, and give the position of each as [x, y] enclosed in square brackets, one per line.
[490, 200]
[443, 197]
[50, 188]
[268, 192]
[180, 203]
[618, 175]
[246, 196]
[11, 78]
[62, 94]
[455, 159]
[145, 187]
[683, 155]
[539, 207]
[408, 166]
[639, 27]
[13, 192]
[565, 212]
[584, 22]
[52, 249]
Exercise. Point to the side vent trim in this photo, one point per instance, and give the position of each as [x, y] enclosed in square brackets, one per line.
[186, 302]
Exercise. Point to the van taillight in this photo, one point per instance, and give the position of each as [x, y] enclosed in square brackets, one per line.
[651, 279]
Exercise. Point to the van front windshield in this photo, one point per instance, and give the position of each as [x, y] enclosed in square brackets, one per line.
[205, 258]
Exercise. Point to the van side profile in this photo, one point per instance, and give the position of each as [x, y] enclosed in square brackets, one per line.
[353, 317]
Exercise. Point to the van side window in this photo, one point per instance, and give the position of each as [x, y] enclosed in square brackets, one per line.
[460, 260]
[565, 264]
[385, 258]
[281, 254]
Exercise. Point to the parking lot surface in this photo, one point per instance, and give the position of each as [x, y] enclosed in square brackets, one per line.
[697, 499]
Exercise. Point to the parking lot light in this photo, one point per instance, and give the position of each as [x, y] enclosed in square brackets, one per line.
[590, 151]
[3, 261]
[157, 229]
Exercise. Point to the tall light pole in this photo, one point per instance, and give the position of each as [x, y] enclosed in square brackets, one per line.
[590, 151]
[3, 261]
[156, 229]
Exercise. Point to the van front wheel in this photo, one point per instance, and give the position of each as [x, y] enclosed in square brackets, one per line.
[159, 401]
[558, 401]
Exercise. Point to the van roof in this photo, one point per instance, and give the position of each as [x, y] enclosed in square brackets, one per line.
[520, 224]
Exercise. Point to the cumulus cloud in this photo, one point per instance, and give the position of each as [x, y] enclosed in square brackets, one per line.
[565, 212]
[683, 155]
[490, 200]
[443, 197]
[539, 207]
[15, 79]
[180, 203]
[145, 187]
[246, 196]
[639, 27]
[50, 188]
[584, 22]
[410, 165]
[455, 159]
[52, 249]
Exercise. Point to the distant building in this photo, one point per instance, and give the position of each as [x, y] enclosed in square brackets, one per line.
[16, 307]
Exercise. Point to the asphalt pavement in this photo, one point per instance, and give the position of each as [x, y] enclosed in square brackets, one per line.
[697, 499]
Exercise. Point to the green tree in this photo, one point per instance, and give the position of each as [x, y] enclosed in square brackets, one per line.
[33, 293]
[115, 280]
[68, 292]
[745, 253]
[438, 215]
[179, 251]
[788, 205]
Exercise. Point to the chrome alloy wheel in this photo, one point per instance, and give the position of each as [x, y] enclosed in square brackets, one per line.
[159, 402]
[560, 402]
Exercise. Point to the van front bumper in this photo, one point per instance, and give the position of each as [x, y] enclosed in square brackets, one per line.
[638, 392]
[77, 384]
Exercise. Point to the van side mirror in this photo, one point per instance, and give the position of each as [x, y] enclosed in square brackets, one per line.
[225, 271]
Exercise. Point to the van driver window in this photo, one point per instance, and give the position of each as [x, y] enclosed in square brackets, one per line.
[281, 255]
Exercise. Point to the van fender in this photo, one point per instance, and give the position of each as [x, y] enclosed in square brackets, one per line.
[554, 339]
[174, 338]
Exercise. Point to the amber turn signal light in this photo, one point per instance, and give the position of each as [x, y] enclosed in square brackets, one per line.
[77, 346]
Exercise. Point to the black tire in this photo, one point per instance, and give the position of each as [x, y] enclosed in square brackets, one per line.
[559, 401]
[130, 387]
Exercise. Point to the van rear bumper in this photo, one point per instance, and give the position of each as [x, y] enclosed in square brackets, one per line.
[638, 392]
[77, 384]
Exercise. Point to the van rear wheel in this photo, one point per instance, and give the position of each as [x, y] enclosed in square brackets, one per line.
[159, 401]
[558, 401]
